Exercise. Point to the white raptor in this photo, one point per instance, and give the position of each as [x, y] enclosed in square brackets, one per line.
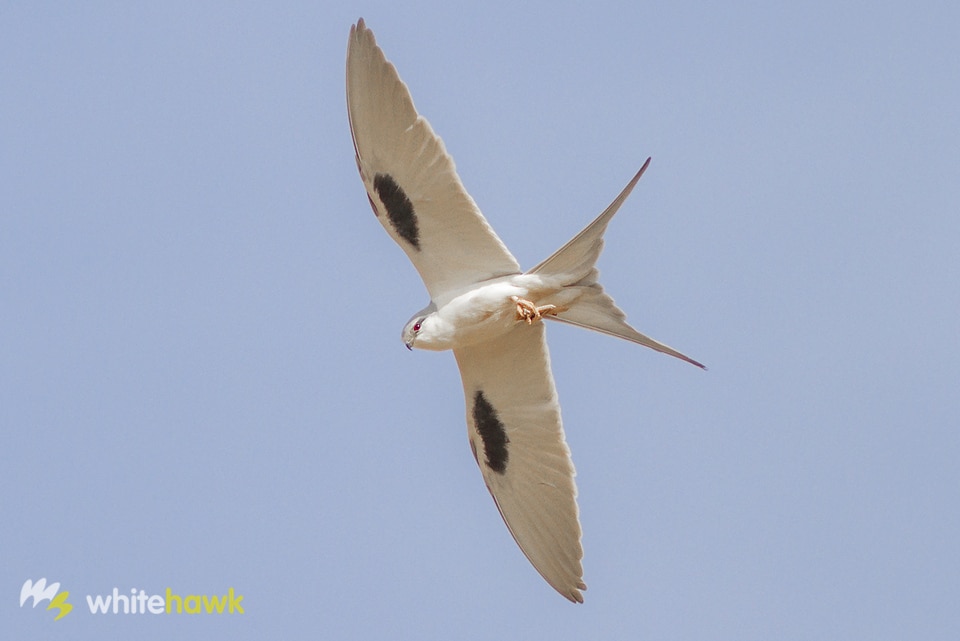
[486, 310]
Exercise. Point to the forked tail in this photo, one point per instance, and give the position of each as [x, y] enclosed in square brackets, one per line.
[575, 263]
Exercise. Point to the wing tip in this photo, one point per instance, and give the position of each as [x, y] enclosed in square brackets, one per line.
[359, 32]
[574, 595]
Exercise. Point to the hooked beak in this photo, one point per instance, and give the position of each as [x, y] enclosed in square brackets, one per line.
[409, 345]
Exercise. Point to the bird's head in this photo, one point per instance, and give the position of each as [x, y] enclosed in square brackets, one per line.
[417, 325]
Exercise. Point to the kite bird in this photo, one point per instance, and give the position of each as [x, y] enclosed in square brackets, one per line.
[485, 309]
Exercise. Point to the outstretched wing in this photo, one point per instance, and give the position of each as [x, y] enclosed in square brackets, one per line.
[513, 422]
[411, 180]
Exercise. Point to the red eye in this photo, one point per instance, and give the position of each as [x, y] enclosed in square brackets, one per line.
[416, 326]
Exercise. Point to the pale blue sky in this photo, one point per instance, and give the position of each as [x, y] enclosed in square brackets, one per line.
[202, 383]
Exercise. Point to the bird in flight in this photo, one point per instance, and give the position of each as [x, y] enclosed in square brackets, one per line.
[485, 309]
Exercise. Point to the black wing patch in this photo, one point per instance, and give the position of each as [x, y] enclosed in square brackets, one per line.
[399, 208]
[491, 432]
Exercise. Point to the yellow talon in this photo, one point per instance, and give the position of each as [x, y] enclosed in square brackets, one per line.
[529, 312]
